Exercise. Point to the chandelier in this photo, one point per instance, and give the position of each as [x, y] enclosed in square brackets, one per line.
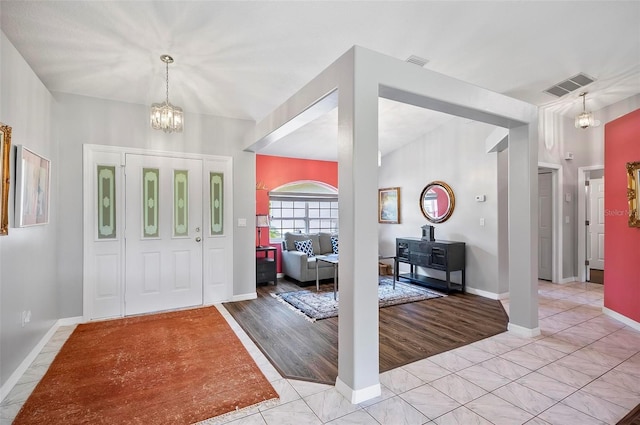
[584, 119]
[165, 116]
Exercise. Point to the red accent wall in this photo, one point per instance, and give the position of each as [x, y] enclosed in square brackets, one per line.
[274, 171]
[622, 243]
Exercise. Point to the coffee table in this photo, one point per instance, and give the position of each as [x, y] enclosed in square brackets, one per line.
[331, 259]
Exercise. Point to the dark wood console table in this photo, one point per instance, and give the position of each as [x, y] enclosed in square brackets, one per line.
[447, 256]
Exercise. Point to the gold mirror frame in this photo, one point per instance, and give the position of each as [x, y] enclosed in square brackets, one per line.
[5, 148]
[633, 192]
[452, 201]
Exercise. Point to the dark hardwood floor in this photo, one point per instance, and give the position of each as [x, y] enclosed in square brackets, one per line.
[308, 351]
[632, 418]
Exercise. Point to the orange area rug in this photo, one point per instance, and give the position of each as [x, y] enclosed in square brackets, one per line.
[170, 368]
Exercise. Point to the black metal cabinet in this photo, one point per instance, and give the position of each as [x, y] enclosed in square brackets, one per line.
[447, 256]
[266, 262]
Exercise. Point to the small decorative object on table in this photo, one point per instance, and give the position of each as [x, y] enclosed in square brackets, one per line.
[428, 233]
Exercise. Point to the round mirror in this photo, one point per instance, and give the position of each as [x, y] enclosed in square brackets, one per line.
[437, 202]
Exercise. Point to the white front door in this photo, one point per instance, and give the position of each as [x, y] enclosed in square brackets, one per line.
[545, 211]
[596, 224]
[163, 239]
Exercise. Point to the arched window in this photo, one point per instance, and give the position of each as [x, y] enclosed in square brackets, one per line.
[303, 206]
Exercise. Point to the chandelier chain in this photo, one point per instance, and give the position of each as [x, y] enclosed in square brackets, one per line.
[167, 63]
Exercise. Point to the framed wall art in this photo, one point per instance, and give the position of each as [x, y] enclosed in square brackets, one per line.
[5, 180]
[633, 193]
[33, 174]
[389, 205]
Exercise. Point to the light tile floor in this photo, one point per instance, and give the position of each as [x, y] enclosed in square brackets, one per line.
[583, 369]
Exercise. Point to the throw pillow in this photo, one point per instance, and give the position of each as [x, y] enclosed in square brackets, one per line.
[305, 246]
[334, 244]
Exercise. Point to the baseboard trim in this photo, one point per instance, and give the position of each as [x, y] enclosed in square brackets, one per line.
[487, 294]
[244, 297]
[522, 331]
[24, 365]
[279, 275]
[568, 280]
[70, 321]
[357, 396]
[621, 318]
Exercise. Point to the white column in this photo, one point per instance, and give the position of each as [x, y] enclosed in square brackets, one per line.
[523, 230]
[358, 363]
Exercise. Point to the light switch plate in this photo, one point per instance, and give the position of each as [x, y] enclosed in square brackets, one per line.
[242, 222]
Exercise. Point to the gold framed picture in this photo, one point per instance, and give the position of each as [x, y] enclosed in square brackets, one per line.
[633, 192]
[5, 179]
[389, 205]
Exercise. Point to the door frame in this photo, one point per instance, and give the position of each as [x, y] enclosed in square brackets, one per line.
[583, 176]
[556, 219]
[117, 154]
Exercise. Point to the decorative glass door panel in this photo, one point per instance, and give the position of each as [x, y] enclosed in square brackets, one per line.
[180, 203]
[150, 200]
[163, 268]
[216, 188]
[106, 201]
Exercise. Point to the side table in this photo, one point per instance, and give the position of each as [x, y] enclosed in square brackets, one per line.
[266, 261]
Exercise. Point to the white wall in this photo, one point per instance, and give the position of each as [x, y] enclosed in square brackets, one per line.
[558, 136]
[83, 120]
[454, 153]
[418, 163]
[28, 255]
[41, 266]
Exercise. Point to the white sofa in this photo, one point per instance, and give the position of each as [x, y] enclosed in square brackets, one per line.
[300, 267]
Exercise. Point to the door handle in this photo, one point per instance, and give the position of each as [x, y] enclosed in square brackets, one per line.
[198, 239]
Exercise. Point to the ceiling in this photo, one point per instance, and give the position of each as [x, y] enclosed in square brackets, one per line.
[242, 59]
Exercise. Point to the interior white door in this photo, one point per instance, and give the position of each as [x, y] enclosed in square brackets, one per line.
[163, 246]
[545, 211]
[596, 224]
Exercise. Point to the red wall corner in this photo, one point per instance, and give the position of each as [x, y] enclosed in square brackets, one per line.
[622, 243]
[274, 171]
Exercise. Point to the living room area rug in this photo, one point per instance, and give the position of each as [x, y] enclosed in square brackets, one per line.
[321, 305]
[179, 367]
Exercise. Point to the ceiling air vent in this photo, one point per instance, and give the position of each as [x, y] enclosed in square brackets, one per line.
[417, 60]
[569, 85]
